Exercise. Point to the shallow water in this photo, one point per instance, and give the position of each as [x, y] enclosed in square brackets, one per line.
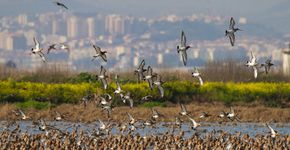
[251, 129]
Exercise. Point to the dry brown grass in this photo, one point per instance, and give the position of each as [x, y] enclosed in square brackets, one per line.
[92, 113]
[221, 71]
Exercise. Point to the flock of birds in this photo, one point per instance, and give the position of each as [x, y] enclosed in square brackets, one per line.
[130, 125]
[133, 133]
[105, 101]
[181, 49]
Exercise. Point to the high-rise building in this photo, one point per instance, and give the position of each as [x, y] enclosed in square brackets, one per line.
[115, 24]
[8, 43]
[136, 61]
[159, 58]
[91, 27]
[210, 52]
[55, 27]
[72, 27]
[22, 19]
[286, 62]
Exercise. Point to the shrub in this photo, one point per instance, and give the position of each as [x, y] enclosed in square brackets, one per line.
[269, 94]
[153, 104]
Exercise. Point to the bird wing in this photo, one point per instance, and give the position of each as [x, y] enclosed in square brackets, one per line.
[131, 102]
[108, 95]
[130, 116]
[150, 82]
[62, 5]
[109, 112]
[253, 57]
[104, 82]
[192, 120]
[57, 113]
[104, 57]
[184, 57]
[183, 39]
[149, 70]
[232, 23]
[158, 78]
[42, 57]
[101, 123]
[195, 70]
[161, 90]
[21, 112]
[154, 112]
[97, 49]
[142, 64]
[183, 108]
[268, 61]
[103, 71]
[232, 110]
[200, 80]
[36, 43]
[255, 71]
[271, 129]
[50, 48]
[267, 69]
[232, 38]
[118, 86]
[42, 122]
[140, 76]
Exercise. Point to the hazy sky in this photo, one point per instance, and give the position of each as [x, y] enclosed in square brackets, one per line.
[273, 13]
[151, 7]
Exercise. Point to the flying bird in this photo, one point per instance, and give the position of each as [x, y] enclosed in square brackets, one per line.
[61, 5]
[273, 132]
[51, 47]
[99, 53]
[149, 77]
[132, 120]
[118, 90]
[64, 47]
[37, 50]
[105, 100]
[196, 74]
[231, 31]
[155, 114]
[194, 124]
[60, 46]
[182, 48]
[140, 71]
[232, 116]
[158, 82]
[183, 111]
[108, 107]
[58, 116]
[253, 63]
[204, 115]
[23, 115]
[103, 77]
[147, 98]
[127, 97]
[267, 65]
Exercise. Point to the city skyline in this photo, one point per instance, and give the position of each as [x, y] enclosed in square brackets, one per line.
[255, 11]
[135, 37]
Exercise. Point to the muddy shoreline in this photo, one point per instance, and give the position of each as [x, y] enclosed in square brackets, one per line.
[77, 113]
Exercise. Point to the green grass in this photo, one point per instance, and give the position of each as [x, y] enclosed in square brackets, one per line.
[153, 104]
[37, 95]
[34, 104]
